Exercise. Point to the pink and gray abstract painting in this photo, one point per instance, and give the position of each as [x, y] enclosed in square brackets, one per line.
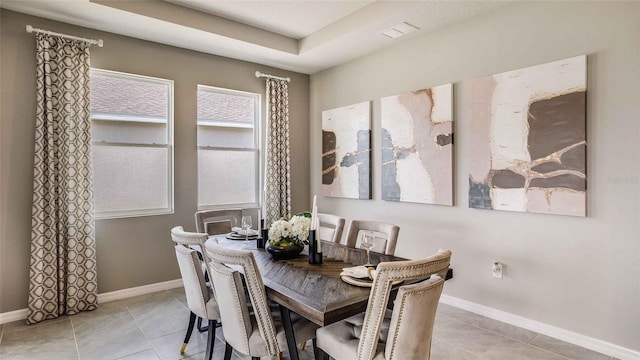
[528, 144]
[417, 146]
[346, 151]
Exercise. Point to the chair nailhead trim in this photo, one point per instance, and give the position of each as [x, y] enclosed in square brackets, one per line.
[401, 311]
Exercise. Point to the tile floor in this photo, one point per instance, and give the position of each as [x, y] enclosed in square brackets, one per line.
[151, 327]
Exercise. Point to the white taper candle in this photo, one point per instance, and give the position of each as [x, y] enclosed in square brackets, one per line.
[314, 210]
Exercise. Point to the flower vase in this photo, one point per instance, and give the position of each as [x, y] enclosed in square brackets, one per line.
[284, 252]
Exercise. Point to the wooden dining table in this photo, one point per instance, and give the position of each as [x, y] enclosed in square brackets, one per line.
[315, 292]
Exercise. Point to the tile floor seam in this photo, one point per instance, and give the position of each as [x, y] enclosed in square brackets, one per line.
[530, 343]
[136, 322]
[483, 354]
[153, 347]
[554, 353]
[75, 338]
[142, 331]
[505, 337]
[456, 347]
[497, 333]
[510, 338]
[139, 352]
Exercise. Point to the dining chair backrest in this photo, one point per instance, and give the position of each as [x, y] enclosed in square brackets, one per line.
[238, 325]
[412, 320]
[189, 239]
[419, 301]
[386, 235]
[216, 222]
[331, 227]
[195, 288]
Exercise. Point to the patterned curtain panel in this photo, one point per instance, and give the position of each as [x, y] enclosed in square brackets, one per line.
[62, 277]
[278, 166]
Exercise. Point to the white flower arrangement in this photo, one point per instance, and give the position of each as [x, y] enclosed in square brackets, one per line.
[293, 232]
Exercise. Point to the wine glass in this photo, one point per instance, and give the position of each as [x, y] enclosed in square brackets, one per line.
[246, 225]
[368, 242]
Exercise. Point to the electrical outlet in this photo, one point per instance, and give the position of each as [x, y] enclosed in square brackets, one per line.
[497, 270]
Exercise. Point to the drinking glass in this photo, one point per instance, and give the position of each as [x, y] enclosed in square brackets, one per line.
[368, 242]
[246, 225]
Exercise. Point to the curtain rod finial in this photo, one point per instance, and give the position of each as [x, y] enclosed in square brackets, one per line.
[29, 28]
[100, 43]
[258, 74]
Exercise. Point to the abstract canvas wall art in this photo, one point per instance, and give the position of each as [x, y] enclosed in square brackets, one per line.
[346, 151]
[417, 146]
[528, 143]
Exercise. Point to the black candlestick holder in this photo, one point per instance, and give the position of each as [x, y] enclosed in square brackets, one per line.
[263, 237]
[315, 256]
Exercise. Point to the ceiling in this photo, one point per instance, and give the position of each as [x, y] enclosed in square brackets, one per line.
[298, 35]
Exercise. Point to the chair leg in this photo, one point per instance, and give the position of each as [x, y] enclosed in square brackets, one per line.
[228, 350]
[322, 355]
[316, 355]
[200, 327]
[211, 338]
[192, 321]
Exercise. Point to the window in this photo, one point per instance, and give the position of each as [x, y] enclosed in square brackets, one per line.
[228, 148]
[132, 133]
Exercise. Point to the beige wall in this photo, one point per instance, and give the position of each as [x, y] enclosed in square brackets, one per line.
[580, 274]
[132, 251]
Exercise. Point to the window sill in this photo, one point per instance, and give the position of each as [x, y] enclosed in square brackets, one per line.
[106, 215]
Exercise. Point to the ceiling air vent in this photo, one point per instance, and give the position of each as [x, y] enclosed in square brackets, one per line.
[399, 30]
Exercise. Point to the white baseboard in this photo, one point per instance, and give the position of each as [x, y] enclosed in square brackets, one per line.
[139, 290]
[584, 341]
[13, 316]
[104, 297]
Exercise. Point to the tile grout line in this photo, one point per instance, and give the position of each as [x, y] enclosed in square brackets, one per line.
[553, 352]
[75, 339]
[528, 342]
[508, 338]
[150, 340]
[139, 352]
[155, 351]
[457, 347]
[549, 351]
[495, 332]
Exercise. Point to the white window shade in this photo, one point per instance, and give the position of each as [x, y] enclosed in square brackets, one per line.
[229, 165]
[142, 187]
[226, 177]
[122, 94]
[132, 134]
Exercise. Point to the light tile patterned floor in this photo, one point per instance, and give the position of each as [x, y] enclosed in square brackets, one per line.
[151, 327]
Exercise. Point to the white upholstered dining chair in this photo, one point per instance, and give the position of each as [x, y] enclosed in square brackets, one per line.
[406, 333]
[200, 299]
[331, 227]
[386, 235]
[254, 333]
[216, 222]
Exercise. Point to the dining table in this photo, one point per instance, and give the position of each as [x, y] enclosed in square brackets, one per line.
[315, 292]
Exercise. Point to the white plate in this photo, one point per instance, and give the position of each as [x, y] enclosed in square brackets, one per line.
[236, 236]
[364, 282]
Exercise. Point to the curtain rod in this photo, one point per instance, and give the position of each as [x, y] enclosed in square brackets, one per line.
[259, 75]
[31, 29]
